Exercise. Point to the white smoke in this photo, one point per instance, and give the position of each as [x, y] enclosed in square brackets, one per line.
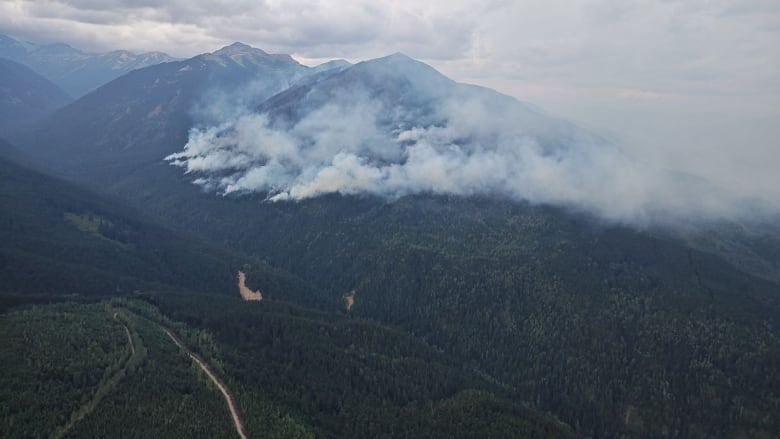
[473, 142]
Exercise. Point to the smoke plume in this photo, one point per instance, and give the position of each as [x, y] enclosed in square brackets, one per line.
[439, 139]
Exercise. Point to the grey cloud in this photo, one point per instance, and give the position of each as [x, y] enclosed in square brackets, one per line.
[665, 46]
[312, 28]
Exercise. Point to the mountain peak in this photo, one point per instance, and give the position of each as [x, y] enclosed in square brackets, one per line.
[396, 58]
[399, 56]
[245, 55]
[336, 64]
[399, 65]
[238, 48]
[399, 60]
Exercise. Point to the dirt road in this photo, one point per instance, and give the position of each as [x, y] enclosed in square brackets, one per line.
[229, 398]
[106, 385]
[127, 332]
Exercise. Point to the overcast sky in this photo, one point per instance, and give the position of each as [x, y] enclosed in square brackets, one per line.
[689, 84]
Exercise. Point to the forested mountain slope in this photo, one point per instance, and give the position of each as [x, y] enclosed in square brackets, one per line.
[56, 238]
[589, 321]
[76, 71]
[26, 96]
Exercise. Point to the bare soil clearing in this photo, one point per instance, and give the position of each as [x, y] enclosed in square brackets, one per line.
[349, 300]
[246, 293]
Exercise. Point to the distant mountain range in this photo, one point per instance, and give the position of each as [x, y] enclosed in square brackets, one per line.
[73, 70]
[146, 114]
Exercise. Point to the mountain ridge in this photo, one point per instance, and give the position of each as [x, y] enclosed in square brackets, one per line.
[76, 71]
[25, 96]
[147, 112]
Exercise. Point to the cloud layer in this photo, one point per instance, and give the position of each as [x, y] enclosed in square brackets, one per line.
[185, 28]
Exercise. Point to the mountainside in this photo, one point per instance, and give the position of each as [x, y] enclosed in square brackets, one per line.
[75, 71]
[58, 239]
[26, 96]
[98, 367]
[93, 370]
[114, 369]
[394, 126]
[555, 307]
[334, 65]
[409, 200]
[145, 115]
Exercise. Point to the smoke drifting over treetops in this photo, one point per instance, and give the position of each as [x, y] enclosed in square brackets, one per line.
[421, 133]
